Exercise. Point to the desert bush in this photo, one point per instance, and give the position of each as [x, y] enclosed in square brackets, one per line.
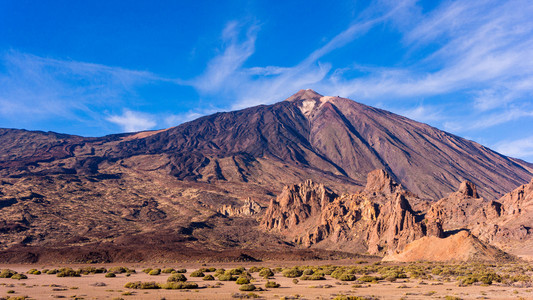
[34, 272]
[110, 275]
[154, 272]
[93, 270]
[178, 277]
[68, 272]
[337, 273]
[272, 284]
[52, 271]
[292, 273]
[247, 287]
[19, 276]
[178, 285]
[254, 269]
[120, 270]
[208, 277]
[220, 272]
[236, 271]
[367, 278]
[142, 285]
[347, 277]
[168, 270]
[295, 281]
[212, 269]
[147, 270]
[242, 280]
[227, 277]
[181, 270]
[308, 272]
[266, 272]
[197, 273]
[7, 273]
[315, 276]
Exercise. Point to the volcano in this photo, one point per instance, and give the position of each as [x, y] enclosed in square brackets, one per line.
[184, 186]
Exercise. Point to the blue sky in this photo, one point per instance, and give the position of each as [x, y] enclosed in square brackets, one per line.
[99, 67]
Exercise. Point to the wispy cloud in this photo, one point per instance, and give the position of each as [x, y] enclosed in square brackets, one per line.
[131, 121]
[517, 148]
[481, 49]
[46, 88]
[225, 73]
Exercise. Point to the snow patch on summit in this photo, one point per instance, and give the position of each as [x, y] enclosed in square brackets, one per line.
[307, 107]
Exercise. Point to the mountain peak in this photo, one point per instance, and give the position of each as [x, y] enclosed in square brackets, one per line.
[304, 95]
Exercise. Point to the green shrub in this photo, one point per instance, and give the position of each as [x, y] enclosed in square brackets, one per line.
[110, 275]
[227, 277]
[142, 285]
[34, 272]
[212, 269]
[178, 277]
[308, 272]
[254, 269]
[197, 273]
[154, 272]
[266, 272]
[68, 272]
[52, 271]
[337, 273]
[208, 277]
[295, 281]
[19, 276]
[347, 277]
[316, 276]
[168, 270]
[181, 270]
[147, 270]
[367, 278]
[236, 271]
[247, 287]
[219, 272]
[272, 284]
[178, 285]
[242, 280]
[292, 273]
[117, 270]
[93, 270]
[7, 273]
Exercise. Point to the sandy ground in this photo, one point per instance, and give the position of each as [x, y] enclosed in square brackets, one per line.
[49, 286]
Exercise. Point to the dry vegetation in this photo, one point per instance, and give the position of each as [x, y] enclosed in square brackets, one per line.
[353, 280]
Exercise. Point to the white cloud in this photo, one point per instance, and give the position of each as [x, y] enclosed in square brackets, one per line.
[46, 88]
[131, 121]
[482, 49]
[517, 148]
[423, 113]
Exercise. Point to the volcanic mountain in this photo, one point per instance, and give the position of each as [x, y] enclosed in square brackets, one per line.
[203, 183]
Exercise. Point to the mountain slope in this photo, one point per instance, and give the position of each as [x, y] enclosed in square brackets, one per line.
[169, 187]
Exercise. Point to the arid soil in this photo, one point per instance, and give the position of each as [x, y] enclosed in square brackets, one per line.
[423, 281]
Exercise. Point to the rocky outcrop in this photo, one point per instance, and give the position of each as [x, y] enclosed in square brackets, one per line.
[249, 208]
[379, 219]
[461, 209]
[462, 246]
[505, 223]
[296, 204]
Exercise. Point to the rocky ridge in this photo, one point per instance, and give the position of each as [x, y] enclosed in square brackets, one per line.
[378, 219]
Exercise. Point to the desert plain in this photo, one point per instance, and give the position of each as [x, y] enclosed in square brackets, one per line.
[339, 279]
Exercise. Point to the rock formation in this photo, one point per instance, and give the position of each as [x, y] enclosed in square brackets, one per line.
[249, 208]
[378, 219]
[461, 246]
